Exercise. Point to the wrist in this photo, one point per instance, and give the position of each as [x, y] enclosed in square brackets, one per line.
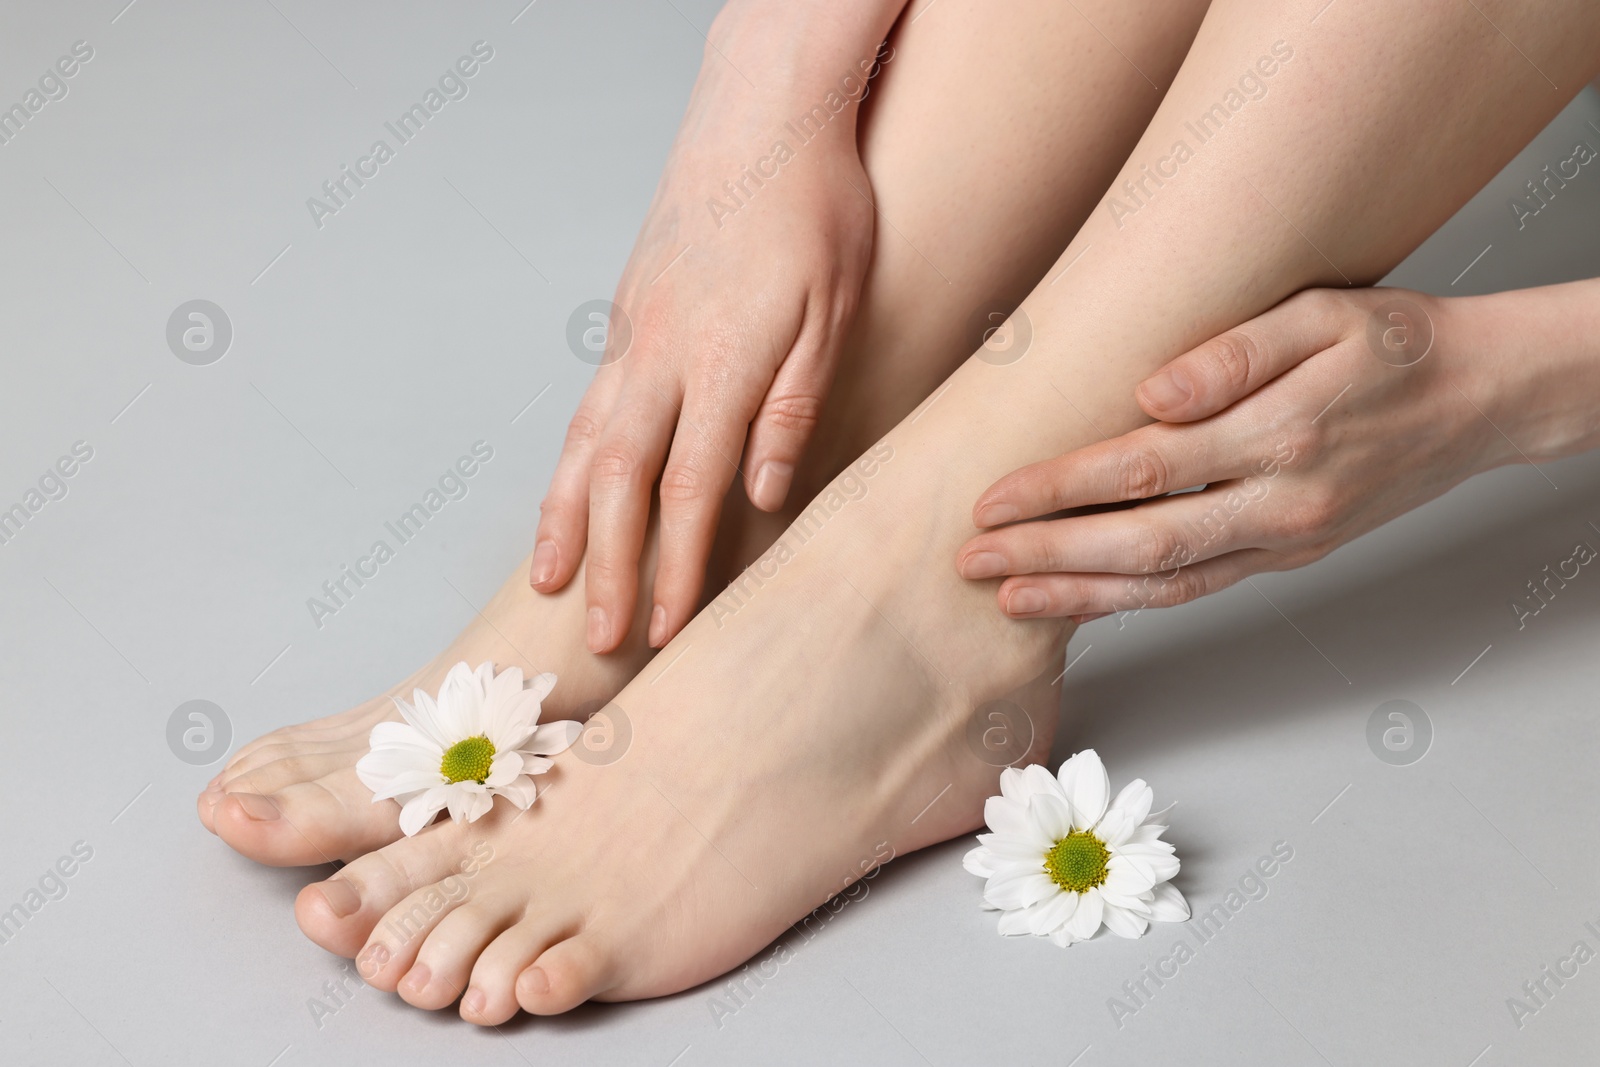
[1533, 356]
[803, 49]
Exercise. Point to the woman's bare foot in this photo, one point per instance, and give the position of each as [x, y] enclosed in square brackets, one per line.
[292, 798]
[810, 724]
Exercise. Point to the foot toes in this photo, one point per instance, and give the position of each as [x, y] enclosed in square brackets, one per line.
[565, 975]
[305, 823]
[340, 913]
[491, 996]
[443, 964]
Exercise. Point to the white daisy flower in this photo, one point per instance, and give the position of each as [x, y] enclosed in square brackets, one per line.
[1060, 862]
[481, 738]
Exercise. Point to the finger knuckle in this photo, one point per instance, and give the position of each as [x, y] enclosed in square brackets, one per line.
[584, 429]
[1140, 473]
[796, 413]
[615, 465]
[683, 483]
[1233, 355]
[1186, 585]
[1154, 550]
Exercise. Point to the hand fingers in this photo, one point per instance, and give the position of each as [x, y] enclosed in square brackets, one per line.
[1146, 463]
[564, 512]
[626, 460]
[1154, 538]
[700, 468]
[1233, 365]
[787, 417]
[1039, 596]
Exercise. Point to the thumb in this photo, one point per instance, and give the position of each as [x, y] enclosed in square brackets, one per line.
[1232, 365]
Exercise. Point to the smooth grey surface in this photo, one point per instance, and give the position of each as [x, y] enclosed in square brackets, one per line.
[425, 316]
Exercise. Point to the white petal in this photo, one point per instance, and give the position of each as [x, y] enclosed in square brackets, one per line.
[458, 798]
[428, 719]
[1164, 867]
[1134, 801]
[420, 809]
[1005, 815]
[1083, 779]
[535, 764]
[460, 704]
[1050, 914]
[1086, 920]
[1050, 816]
[1160, 816]
[1064, 937]
[403, 784]
[1011, 888]
[400, 733]
[1013, 923]
[1169, 905]
[1036, 778]
[978, 862]
[1124, 923]
[505, 767]
[1151, 848]
[520, 792]
[1137, 904]
[1114, 828]
[540, 685]
[1009, 849]
[552, 738]
[1133, 874]
[478, 805]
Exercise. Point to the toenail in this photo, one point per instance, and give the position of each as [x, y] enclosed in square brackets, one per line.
[372, 959]
[342, 897]
[535, 981]
[1025, 601]
[599, 629]
[256, 806]
[995, 514]
[983, 565]
[417, 978]
[544, 562]
[474, 1002]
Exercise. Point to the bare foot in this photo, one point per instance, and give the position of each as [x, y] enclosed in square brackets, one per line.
[292, 798]
[785, 743]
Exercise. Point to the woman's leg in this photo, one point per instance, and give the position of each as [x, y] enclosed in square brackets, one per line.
[790, 739]
[980, 181]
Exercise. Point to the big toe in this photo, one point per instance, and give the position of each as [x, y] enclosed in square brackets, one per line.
[340, 913]
[304, 823]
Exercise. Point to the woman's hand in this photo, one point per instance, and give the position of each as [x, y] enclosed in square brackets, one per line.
[739, 291]
[1325, 417]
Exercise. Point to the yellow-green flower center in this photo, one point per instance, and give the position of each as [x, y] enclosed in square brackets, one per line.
[1078, 861]
[468, 760]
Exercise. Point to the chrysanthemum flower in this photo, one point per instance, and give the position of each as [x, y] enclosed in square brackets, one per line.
[1061, 862]
[479, 740]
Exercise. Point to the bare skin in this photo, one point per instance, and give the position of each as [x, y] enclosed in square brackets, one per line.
[782, 743]
[292, 797]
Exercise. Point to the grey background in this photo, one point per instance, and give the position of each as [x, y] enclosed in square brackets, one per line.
[370, 354]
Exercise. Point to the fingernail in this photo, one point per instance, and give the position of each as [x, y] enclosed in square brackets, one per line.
[534, 980]
[256, 806]
[474, 1002]
[544, 562]
[417, 978]
[658, 626]
[772, 484]
[216, 782]
[995, 514]
[599, 630]
[342, 897]
[983, 565]
[372, 959]
[1166, 390]
[1025, 601]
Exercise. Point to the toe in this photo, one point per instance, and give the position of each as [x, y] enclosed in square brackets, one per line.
[443, 964]
[305, 823]
[340, 913]
[565, 975]
[491, 996]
